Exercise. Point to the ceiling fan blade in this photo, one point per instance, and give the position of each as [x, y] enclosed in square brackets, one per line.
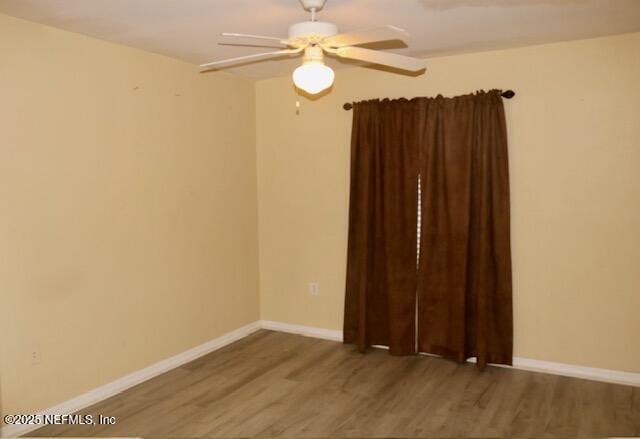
[355, 38]
[383, 58]
[255, 56]
[255, 37]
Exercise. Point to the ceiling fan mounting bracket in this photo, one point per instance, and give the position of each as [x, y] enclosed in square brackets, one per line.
[310, 5]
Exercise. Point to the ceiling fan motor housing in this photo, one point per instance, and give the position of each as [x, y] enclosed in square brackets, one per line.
[308, 29]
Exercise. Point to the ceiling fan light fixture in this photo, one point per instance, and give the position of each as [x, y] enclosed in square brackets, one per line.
[313, 77]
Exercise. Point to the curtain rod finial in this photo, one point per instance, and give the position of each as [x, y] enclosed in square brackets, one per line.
[348, 106]
[508, 94]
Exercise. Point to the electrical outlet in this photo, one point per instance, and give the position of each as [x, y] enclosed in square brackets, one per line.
[314, 289]
[35, 357]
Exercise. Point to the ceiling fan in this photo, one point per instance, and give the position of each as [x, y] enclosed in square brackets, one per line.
[315, 38]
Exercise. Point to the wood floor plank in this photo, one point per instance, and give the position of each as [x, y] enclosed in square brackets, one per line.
[273, 384]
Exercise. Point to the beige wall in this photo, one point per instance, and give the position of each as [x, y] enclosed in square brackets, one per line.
[575, 158]
[128, 211]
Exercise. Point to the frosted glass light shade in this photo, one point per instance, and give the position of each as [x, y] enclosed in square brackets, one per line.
[313, 77]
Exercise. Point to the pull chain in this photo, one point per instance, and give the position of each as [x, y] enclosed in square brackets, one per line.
[298, 105]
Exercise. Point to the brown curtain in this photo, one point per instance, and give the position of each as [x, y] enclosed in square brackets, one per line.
[464, 291]
[463, 280]
[381, 269]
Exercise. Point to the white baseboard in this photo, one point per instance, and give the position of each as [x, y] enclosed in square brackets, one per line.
[326, 334]
[133, 379]
[570, 370]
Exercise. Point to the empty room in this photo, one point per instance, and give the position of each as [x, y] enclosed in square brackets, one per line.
[320, 218]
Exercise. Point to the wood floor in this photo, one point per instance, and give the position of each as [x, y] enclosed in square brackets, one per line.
[280, 385]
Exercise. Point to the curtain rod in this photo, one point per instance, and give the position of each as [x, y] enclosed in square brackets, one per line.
[508, 94]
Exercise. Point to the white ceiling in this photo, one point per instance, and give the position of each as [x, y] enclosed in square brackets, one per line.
[190, 29]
